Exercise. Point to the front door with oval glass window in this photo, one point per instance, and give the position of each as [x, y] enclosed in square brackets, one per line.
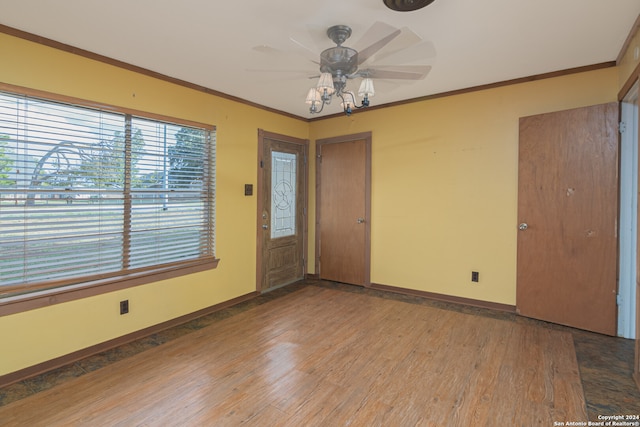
[281, 217]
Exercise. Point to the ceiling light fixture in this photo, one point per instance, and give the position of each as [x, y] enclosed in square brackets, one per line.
[407, 5]
[337, 65]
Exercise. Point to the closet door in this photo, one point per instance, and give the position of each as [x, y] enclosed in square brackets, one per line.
[567, 212]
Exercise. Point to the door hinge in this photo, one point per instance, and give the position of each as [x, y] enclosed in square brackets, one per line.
[319, 157]
[619, 299]
[622, 127]
[261, 164]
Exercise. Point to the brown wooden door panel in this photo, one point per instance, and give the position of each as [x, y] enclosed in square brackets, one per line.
[283, 182]
[567, 196]
[343, 210]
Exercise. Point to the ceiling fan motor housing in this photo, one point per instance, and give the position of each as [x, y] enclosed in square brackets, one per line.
[339, 60]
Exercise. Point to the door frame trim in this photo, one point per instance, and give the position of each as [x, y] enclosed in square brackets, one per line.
[366, 136]
[627, 216]
[262, 135]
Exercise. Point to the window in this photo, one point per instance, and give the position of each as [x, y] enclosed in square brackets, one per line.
[90, 194]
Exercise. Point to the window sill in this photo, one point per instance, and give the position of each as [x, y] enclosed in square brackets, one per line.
[38, 299]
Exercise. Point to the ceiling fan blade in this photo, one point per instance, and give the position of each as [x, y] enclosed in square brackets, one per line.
[304, 50]
[267, 50]
[273, 58]
[375, 38]
[313, 36]
[378, 30]
[420, 53]
[305, 73]
[367, 52]
[405, 40]
[401, 72]
[276, 76]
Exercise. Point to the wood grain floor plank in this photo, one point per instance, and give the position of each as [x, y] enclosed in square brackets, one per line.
[474, 401]
[568, 396]
[320, 357]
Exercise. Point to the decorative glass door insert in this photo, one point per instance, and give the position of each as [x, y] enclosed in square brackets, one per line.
[283, 194]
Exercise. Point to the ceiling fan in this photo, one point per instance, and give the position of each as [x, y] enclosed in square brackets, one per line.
[385, 54]
[340, 63]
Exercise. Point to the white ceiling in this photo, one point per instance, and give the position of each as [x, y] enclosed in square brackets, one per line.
[262, 51]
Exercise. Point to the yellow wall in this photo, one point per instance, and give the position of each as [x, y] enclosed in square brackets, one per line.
[35, 336]
[444, 182]
[630, 59]
[444, 192]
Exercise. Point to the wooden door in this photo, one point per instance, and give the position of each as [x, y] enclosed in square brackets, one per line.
[343, 203]
[282, 209]
[567, 211]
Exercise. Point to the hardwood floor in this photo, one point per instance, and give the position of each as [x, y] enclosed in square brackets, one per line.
[329, 354]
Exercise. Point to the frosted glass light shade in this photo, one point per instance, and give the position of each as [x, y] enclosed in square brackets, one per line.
[326, 82]
[366, 88]
[349, 100]
[313, 97]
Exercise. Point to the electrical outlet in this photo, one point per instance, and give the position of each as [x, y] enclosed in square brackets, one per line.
[475, 276]
[124, 306]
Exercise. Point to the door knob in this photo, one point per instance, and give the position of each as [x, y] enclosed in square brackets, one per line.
[523, 226]
[265, 226]
[360, 220]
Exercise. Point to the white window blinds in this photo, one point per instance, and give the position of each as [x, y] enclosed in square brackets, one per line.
[88, 194]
